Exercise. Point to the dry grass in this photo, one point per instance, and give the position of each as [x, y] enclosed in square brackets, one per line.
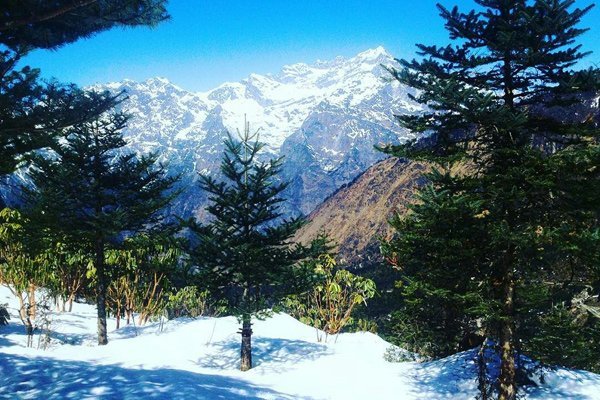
[357, 215]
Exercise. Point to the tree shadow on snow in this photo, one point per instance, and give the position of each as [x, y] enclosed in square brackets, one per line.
[270, 354]
[17, 330]
[455, 377]
[74, 339]
[5, 342]
[48, 378]
[445, 378]
[13, 329]
[131, 330]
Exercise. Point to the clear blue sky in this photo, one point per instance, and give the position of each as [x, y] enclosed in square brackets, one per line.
[209, 42]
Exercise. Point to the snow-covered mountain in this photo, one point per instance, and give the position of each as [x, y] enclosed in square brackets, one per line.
[324, 118]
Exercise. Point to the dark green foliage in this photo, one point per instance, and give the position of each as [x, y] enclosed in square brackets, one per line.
[575, 335]
[243, 253]
[32, 113]
[90, 192]
[437, 252]
[512, 208]
[90, 186]
[29, 24]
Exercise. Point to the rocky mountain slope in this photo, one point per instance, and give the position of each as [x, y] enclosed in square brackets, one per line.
[323, 118]
[357, 214]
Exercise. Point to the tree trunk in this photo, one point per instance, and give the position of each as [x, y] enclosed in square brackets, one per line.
[482, 375]
[32, 301]
[70, 302]
[101, 293]
[24, 314]
[59, 302]
[508, 385]
[63, 304]
[246, 351]
[118, 317]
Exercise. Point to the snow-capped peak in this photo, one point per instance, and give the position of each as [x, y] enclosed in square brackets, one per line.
[159, 80]
[280, 103]
[325, 116]
[374, 54]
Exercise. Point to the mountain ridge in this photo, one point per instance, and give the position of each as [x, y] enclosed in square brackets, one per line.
[324, 118]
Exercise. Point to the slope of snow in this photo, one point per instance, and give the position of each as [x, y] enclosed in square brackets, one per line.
[198, 359]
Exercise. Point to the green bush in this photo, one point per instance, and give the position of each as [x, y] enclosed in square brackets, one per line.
[191, 302]
[362, 325]
[329, 305]
[575, 332]
[395, 354]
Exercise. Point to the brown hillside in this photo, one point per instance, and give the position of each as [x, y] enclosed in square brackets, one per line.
[356, 215]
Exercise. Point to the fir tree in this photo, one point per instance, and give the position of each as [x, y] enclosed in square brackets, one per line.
[244, 252]
[33, 114]
[31, 24]
[93, 192]
[509, 225]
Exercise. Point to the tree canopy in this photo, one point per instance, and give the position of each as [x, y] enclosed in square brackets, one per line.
[244, 252]
[34, 113]
[92, 193]
[31, 24]
[508, 227]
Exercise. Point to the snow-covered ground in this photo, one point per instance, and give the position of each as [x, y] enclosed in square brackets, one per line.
[198, 359]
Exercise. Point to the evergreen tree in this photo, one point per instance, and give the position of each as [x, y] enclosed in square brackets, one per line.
[33, 114]
[31, 24]
[93, 192]
[244, 253]
[509, 226]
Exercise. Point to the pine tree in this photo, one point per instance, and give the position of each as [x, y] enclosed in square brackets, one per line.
[93, 192]
[244, 252]
[32, 24]
[32, 113]
[509, 225]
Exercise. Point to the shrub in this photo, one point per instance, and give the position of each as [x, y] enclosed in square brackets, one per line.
[362, 325]
[395, 354]
[191, 302]
[329, 305]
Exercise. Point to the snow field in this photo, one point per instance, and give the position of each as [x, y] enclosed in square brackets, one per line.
[198, 359]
